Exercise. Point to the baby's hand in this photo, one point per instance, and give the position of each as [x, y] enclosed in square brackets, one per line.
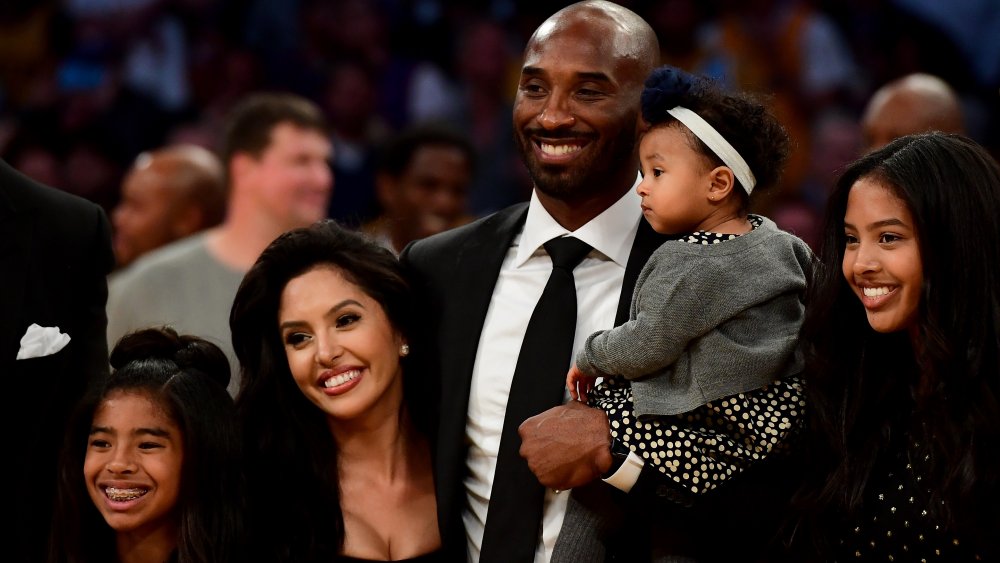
[579, 384]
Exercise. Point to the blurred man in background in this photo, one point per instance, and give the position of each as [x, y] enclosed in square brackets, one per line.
[916, 103]
[168, 194]
[422, 184]
[276, 151]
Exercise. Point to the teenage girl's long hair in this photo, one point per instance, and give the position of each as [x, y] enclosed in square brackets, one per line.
[865, 388]
[291, 455]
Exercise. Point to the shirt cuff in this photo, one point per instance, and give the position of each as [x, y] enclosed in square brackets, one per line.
[626, 476]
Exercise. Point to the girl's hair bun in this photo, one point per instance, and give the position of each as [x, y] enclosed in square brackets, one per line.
[186, 351]
[666, 88]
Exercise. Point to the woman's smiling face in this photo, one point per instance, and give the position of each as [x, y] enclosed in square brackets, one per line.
[882, 261]
[342, 350]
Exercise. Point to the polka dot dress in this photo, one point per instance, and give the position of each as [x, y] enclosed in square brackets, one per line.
[701, 449]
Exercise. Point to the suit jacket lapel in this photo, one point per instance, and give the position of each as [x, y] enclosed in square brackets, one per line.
[646, 242]
[475, 270]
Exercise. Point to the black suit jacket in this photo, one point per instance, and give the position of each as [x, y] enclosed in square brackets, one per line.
[55, 254]
[453, 275]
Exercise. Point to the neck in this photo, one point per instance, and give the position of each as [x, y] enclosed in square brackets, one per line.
[146, 547]
[380, 449]
[238, 242]
[725, 222]
[573, 213]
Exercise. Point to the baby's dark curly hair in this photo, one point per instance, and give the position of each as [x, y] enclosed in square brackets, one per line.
[740, 118]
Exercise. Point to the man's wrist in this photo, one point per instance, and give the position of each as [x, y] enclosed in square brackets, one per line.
[617, 454]
[625, 469]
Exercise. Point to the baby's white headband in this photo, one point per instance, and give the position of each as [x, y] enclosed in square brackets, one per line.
[719, 145]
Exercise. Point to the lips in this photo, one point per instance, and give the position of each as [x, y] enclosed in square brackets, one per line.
[555, 147]
[558, 150]
[124, 494]
[874, 296]
[341, 381]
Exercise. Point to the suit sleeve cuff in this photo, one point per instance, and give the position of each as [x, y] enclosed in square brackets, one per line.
[627, 475]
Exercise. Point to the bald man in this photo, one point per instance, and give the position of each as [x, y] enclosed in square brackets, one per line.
[576, 120]
[168, 194]
[916, 103]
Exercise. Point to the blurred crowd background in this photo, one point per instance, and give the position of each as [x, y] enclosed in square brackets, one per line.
[87, 85]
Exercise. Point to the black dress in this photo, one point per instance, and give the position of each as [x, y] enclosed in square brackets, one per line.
[897, 522]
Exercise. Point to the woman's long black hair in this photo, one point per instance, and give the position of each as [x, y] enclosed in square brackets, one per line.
[865, 388]
[292, 457]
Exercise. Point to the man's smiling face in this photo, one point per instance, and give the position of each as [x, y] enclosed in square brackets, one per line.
[576, 109]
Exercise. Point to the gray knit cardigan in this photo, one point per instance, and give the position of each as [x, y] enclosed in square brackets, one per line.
[708, 321]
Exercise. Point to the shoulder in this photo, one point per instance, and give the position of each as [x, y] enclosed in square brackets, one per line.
[785, 241]
[24, 194]
[55, 209]
[156, 266]
[488, 230]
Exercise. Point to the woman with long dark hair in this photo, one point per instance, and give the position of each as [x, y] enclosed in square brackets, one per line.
[338, 466]
[903, 374]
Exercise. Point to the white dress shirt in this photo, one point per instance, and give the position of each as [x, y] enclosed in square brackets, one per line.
[522, 278]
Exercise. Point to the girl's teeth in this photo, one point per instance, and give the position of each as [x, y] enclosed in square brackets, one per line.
[117, 494]
[341, 379]
[875, 291]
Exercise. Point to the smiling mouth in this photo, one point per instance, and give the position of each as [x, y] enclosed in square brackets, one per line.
[122, 495]
[341, 379]
[558, 150]
[876, 291]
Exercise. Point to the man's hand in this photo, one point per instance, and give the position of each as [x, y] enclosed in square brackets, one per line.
[567, 446]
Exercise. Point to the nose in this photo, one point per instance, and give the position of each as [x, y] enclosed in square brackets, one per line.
[121, 463]
[118, 217]
[866, 260]
[447, 203]
[556, 113]
[328, 350]
[642, 189]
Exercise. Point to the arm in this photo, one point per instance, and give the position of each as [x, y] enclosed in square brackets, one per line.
[667, 314]
[579, 384]
[568, 446]
[715, 441]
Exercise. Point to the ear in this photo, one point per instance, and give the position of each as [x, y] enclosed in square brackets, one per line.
[241, 166]
[722, 182]
[188, 220]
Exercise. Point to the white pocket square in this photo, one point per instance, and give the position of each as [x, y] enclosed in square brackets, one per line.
[39, 341]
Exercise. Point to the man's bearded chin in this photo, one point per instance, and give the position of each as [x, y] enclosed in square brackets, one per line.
[583, 180]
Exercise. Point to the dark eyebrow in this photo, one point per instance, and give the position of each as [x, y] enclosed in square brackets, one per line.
[334, 309]
[595, 76]
[159, 432]
[893, 222]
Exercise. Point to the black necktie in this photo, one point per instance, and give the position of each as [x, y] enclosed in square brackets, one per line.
[514, 517]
